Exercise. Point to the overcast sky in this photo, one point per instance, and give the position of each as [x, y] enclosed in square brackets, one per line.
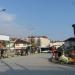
[53, 18]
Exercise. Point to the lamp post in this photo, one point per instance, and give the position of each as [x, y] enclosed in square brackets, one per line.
[73, 29]
[3, 10]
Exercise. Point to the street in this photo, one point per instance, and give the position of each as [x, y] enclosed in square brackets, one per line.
[36, 64]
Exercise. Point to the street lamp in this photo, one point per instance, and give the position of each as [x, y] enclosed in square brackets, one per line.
[3, 10]
[73, 29]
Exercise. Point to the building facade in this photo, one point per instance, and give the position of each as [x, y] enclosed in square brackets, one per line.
[56, 43]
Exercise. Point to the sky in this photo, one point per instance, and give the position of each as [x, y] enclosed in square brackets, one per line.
[52, 18]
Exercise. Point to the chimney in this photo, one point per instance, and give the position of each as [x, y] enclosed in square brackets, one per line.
[73, 29]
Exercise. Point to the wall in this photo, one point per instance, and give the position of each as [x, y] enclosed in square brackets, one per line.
[19, 46]
[57, 43]
[44, 42]
[3, 37]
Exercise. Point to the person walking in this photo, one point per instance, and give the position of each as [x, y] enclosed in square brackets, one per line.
[53, 50]
[2, 53]
[22, 51]
[26, 51]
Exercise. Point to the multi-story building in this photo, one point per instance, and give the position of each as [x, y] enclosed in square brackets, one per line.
[41, 42]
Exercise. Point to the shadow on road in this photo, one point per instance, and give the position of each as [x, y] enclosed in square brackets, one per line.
[24, 68]
[3, 62]
[36, 72]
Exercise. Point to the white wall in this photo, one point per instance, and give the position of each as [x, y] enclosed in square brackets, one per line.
[4, 37]
[56, 44]
[19, 46]
[44, 42]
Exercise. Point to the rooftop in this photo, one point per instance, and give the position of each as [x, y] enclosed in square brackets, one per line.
[70, 39]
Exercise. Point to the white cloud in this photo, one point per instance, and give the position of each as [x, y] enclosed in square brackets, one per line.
[7, 18]
[9, 27]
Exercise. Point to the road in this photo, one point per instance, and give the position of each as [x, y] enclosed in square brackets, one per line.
[36, 64]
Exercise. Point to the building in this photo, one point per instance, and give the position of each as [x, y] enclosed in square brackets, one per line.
[44, 42]
[20, 44]
[33, 39]
[3, 40]
[69, 46]
[4, 37]
[3, 45]
[70, 43]
[56, 43]
[41, 42]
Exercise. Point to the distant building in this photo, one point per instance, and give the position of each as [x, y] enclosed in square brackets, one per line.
[41, 42]
[20, 44]
[35, 38]
[44, 42]
[38, 39]
[70, 43]
[56, 43]
[3, 40]
[4, 37]
[10, 44]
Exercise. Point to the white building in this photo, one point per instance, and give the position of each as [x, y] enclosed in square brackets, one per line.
[42, 42]
[56, 43]
[4, 37]
[35, 38]
[19, 44]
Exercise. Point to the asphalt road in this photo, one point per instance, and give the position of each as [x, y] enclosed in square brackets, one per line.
[36, 64]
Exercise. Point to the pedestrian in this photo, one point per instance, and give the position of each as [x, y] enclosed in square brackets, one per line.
[26, 51]
[53, 50]
[2, 53]
[22, 51]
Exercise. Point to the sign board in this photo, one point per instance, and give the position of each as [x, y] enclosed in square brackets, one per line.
[4, 37]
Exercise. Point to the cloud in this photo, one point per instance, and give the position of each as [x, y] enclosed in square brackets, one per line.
[8, 26]
[17, 31]
[7, 18]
